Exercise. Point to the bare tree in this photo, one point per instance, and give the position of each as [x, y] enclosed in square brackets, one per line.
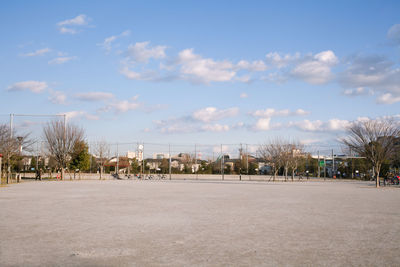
[272, 153]
[374, 140]
[11, 144]
[61, 139]
[102, 151]
[296, 154]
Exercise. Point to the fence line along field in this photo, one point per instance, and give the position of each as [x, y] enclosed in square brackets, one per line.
[182, 223]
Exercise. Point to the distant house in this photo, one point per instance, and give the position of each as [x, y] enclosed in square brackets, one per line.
[153, 164]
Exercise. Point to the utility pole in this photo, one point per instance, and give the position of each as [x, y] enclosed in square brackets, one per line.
[9, 148]
[247, 161]
[241, 160]
[319, 167]
[352, 171]
[64, 145]
[117, 167]
[195, 161]
[222, 164]
[324, 168]
[169, 161]
[143, 158]
[333, 165]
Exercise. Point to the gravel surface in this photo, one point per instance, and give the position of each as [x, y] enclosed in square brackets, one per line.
[201, 223]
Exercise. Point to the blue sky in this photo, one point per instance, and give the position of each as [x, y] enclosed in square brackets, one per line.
[202, 72]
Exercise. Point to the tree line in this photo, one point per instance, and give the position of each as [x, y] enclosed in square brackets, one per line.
[375, 142]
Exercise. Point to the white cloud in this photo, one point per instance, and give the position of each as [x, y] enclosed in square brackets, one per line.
[199, 121]
[57, 97]
[280, 61]
[142, 76]
[61, 60]
[124, 106]
[388, 99]
[337, 125]
[319, 126]
[355, 92]
[262, 124]
[33, 86]
[244, 78]
[243, 95]
[77, 21]
[204, 70]
[94, 96]
[39, 52]
[79, 115]
[107, 43]
[270, 112]
[307, 125]
[257, 65]
[140, 52]
[394, 33]
[67, 30]
[215, 128]
[301, 112]
[213, 114]
[316, 70]
[376, 73]
[70, 25]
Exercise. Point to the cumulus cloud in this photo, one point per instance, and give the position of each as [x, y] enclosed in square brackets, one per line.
[202, 120]
[71, 26]
[118, 106]
[33, 86]
[316, 69]
[276, 60]
[244, 78]
[307, 125]
[215, 128]
[61, 60]
[388, 99]
[39, 52]
[79, 115]
[107, 43]
[373, 72]
[57, 97]
[270, 112]
[209, 114]
[204, 70]
[262, 124]
[94, 96]
[142, 52]
[320, 126]
[355, 92]
[257, 65]
[394, 34]
[148, 75]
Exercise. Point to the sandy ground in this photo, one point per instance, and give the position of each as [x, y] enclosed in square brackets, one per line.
[201, 223]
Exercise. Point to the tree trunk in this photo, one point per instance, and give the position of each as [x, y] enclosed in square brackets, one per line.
[62, 173]
[286, 172]
[101, 171]
[377, 170]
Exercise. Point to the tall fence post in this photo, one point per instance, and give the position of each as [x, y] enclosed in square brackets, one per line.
[169, 161]
[222, 164]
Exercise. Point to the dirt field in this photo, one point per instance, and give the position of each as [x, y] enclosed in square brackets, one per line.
[207, 223]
